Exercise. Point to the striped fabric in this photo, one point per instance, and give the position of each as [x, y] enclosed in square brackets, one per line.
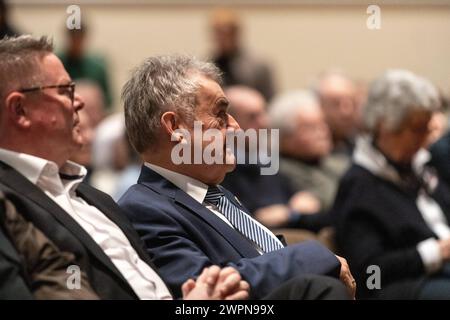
[242, 221]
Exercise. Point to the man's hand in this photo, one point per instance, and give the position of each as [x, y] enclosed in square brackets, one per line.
[273, 216]
[305, 203]
[346, 277]
[216, 284]
[444, 248]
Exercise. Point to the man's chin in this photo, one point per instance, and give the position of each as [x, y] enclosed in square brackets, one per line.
[230, 167]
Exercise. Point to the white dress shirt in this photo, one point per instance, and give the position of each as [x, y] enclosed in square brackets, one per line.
[198, 190]
[45, 174]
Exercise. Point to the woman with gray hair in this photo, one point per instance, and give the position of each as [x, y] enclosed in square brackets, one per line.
[391, 210]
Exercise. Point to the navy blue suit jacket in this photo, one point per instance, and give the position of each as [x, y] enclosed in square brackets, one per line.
[182, 237]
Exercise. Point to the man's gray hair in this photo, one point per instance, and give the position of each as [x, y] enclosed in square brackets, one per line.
[19, 65]
[284, 109]
[394, 95]
[160, 84]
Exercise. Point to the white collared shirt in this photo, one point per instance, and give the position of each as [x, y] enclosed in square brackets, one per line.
[45, 174]
[197, 190]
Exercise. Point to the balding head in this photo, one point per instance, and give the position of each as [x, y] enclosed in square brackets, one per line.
[338, 98]
[304, 133]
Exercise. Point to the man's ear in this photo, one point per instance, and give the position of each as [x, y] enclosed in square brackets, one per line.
[15, 110]
[170, 122]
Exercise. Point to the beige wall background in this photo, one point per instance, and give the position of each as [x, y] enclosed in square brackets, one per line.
[298, 40]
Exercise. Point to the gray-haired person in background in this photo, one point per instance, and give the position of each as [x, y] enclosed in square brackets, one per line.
[392, 211]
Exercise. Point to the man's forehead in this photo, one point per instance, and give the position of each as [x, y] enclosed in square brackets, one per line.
[53, 69]
[210, 89]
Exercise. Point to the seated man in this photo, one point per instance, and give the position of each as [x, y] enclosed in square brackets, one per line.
[305, 146]
[39, 132]
[341, 102]
[187, 220]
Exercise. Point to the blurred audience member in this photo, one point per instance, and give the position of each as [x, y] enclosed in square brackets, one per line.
[106, 161]
[305, 146]
[116, 163]
[391, 210]
[89, 117]
[5, 27]
[341, 101]
[84, 155]
[440, 150]
[83, 65]
[438, 127]
[127, 160]
[274, 193]
[94, 101]
[238, 65]
[109, 131]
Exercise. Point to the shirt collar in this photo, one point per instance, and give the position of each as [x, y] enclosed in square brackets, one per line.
[33, 167]
[368, 157]
[194, 188]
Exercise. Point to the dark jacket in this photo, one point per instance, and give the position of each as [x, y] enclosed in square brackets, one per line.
[69, 236]
[43, 267]
[378, 223]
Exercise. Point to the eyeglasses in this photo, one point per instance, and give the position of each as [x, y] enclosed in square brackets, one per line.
[70, 89]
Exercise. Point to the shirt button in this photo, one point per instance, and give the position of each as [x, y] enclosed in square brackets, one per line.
[136, 259]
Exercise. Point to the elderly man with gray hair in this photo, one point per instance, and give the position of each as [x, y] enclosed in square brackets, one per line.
[392, 211]
[305, 146]
[186, 219]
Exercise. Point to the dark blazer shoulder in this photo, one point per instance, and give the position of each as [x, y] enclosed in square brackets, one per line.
[65, 232]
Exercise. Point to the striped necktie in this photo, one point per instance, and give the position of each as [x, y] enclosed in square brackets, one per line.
[242, 221]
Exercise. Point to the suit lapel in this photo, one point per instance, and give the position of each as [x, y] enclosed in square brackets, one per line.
[21, 185]
[161, 185]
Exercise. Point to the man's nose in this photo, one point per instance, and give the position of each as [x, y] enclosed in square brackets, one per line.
[78, 102]
[232, 123]
[347, 106]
